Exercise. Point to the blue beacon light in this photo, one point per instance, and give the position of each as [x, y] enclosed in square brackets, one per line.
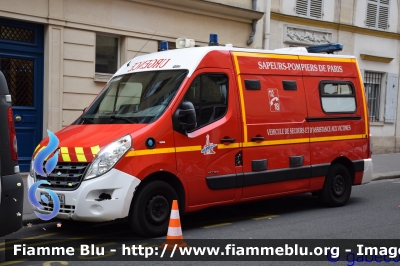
[328, 48]
[164, 46]
[213, 40]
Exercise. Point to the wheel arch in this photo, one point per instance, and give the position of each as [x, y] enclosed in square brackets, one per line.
[170, 179]
[346, 162]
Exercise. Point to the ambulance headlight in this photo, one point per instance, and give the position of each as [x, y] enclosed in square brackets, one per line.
[108, 157]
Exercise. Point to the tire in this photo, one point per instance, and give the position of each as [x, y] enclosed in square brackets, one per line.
[337, 187]
[150, 209]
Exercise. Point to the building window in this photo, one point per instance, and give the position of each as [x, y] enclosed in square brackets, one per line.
[309, 8]
[106, 54]
[377, 14]
[17, 34]
[372, 84]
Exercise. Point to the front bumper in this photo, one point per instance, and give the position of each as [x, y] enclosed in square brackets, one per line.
[367, 174]
[84, 204]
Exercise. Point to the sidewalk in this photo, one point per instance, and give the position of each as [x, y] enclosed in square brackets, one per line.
[384, 166]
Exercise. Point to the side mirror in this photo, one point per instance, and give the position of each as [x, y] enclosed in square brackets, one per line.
[184, 118]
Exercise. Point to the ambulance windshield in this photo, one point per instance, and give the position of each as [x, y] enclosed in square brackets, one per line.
[138, 98]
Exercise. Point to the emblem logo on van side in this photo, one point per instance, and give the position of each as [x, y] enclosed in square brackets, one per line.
[209, 147]
[274, 104]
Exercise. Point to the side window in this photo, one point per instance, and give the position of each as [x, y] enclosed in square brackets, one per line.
[337, 97]
[209, 95]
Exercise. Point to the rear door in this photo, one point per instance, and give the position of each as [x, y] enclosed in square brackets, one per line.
[335, 114]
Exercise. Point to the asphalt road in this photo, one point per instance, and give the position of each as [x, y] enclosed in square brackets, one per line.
[373, 212]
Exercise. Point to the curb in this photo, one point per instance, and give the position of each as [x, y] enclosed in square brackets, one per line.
[387, 175]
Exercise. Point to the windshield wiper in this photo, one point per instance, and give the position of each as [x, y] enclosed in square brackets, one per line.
[87, 119]
[122, 118]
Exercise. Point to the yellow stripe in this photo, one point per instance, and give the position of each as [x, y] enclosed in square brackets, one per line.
[80, 154]
[303, 140]
[360, 136]
[241, 98]
[36, 148]
[280, 56]
[265, 217]
[276, 142]
[65, 157]
[364, 99]
[329, 59]
[65, 154]
[246, 144]
[216, 225]
[230, 146]
[95, 150]
[188, 148]
[148, 152]
[41, 148]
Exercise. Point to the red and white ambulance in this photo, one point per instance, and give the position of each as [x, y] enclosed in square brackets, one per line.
[210, 126]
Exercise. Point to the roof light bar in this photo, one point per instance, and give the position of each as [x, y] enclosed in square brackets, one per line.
[213, 39]
[328, 48]
[164, 46]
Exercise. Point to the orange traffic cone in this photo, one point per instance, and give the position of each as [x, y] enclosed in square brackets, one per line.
[174, 235]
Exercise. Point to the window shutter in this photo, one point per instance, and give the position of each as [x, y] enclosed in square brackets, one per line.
[391, 97]
[302, 7]
[372, 9]
[316, 9]
[383, 17]
[377, 14]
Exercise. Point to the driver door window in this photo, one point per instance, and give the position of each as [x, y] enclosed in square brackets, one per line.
[209, 95]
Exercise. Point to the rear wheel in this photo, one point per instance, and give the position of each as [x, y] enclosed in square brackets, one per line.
[151, 208]
[337, 187]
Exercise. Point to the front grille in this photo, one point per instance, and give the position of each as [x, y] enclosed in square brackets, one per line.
[66, 176]
[63, 208]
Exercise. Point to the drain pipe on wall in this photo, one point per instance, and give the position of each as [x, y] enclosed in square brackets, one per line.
[253, 25]
[267, 24]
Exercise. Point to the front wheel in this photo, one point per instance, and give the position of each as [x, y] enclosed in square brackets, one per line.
[151, 208]
[337, 187]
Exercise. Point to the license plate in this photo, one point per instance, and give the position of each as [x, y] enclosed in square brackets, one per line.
[60, 197]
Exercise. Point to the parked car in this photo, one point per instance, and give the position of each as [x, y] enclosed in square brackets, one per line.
[11, 185]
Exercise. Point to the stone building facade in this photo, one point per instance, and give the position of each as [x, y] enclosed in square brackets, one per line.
[66, 50]
[369, 30]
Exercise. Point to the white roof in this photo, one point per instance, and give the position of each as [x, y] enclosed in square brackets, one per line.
[189, 58]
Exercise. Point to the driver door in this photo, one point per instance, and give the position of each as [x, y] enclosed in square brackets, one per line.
[206, 155]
